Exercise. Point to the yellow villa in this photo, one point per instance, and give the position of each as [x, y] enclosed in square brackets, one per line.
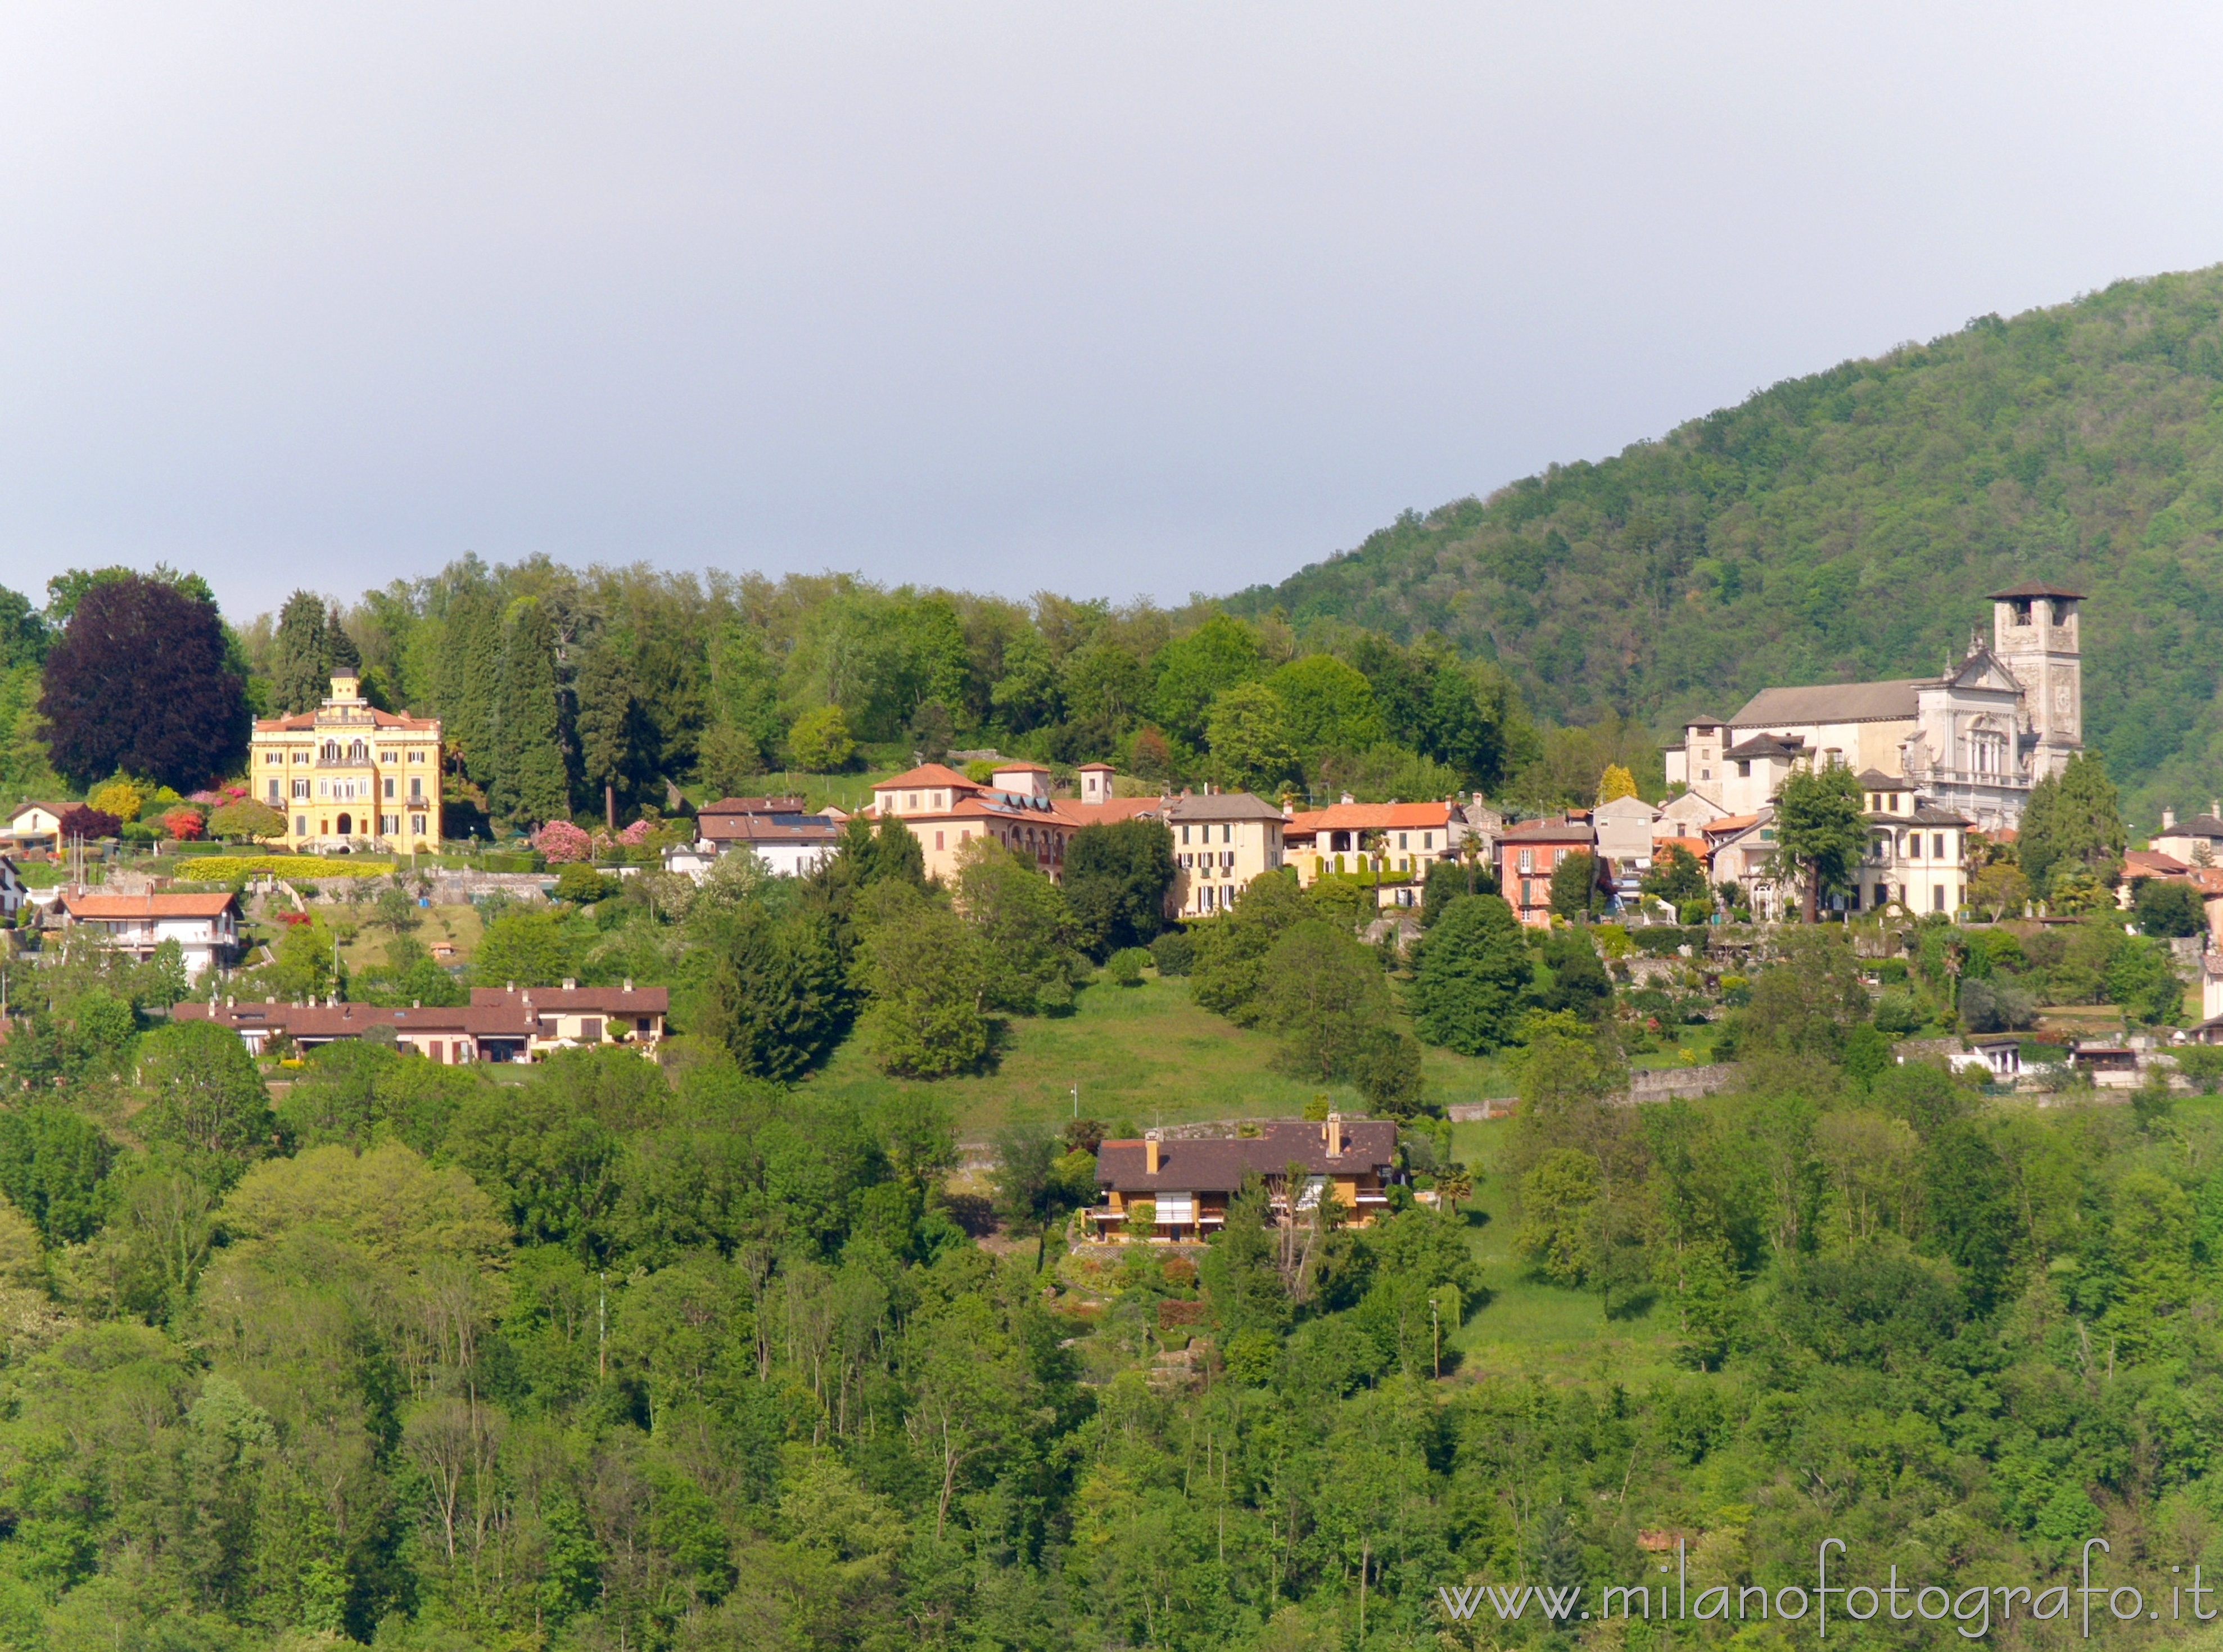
[348, 773]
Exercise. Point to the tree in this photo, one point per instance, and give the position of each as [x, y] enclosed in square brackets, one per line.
[2074, 816]
[1193, 671]
[142, 682]
[531, 949]
[468, 679]
[1329, 705]
[1472, 969]
[1325, 994]
[208, 1098]
[2000, 889]
[612, 730]
[1820, 828]
[1248, 734]
[775, 998]
[928, 980]
[531, 783]
[82, 821]
[1022, 920]
[1449, 879]
[2168, 908]
[1557, 1234]
[299, 674]
[820, 742]
[1616, 782]
[1117, 878]
[1678, 878]
[1575, 893]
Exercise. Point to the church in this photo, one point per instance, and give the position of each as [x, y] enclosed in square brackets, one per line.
[1972, 740]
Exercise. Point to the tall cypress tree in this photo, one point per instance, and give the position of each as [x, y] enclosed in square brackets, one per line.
[469, 678]
[609, 725]
[530, 781]
[297, 680]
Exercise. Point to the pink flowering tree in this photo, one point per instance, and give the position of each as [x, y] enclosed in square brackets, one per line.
[561, 841]
[635, 834]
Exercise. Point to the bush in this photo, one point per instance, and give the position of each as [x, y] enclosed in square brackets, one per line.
[2169, 909]
[1895, 1014]
[820, 741]
[1695, 911]
[581, 884]
[1174, 952]
[1125, 967]
[561, 842]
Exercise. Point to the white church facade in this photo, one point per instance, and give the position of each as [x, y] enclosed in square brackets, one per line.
[1972, 740]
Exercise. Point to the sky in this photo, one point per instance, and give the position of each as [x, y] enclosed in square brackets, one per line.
[1132, 300]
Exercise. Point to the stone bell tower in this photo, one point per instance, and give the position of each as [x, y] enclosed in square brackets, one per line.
[2034, 634]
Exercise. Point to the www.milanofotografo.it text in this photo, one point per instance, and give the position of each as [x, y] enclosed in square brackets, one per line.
[1972, 1609]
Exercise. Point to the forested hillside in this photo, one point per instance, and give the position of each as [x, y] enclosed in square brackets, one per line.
[1845, 525]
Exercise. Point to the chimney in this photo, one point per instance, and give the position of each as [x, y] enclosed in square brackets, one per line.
[2215, 807]
[628, 985]
[509, 985]
[1335, 1135]
[1150, 1154]
[1344, 798]
[2168, 819]
[569, 985]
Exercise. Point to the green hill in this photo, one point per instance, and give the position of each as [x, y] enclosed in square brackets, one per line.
[1845, 526]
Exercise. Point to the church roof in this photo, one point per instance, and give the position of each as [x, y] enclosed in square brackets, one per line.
[1832, 702]
[1877, 780]
[2035, 588]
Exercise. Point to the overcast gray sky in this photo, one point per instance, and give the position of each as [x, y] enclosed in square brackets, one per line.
[1116, 299]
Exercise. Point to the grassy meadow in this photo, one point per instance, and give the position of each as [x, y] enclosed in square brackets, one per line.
[1144, 1055]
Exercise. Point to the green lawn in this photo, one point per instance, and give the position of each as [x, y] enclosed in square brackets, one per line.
[1144, 1054]
[1529, 1327]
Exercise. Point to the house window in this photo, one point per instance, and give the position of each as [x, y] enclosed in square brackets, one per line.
[273, 791]
[1744, 768]
[417, 825]
[1427, 839]
[591, 1029]
[1528, 893]
[416, 786]
[1184, 834]
[389, 785]
[1937, 899]
[1705, 775]
[1402, 841]
[937, 840]
[1227, 833]
[1937, 846]
[416, 757]
[300, 825]
[1176, 1209]
[1528, 860]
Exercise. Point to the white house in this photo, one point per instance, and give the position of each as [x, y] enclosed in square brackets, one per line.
[206, 927]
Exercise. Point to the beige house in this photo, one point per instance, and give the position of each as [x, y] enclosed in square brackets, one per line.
[347, 773]
[2197, 841]
[946, 811]
[1185, 1186]
[1397, 842]
[36, 826]
[1918, 857]
[1221, 841]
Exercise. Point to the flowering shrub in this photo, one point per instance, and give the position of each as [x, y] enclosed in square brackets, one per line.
[635, 834]
[184, 824]
[560, 841]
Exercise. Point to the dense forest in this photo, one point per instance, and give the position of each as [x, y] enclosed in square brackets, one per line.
[1846, 525]
[565, 691]
[710, 1356]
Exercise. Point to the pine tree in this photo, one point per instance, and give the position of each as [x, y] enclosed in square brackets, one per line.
[297, 680]
[530, 781]
[340, 651]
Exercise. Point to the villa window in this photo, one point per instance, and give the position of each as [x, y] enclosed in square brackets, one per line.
[1938, 846]
[1744, 768]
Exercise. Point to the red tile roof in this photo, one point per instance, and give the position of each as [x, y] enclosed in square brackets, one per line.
[1370, 817]
[116, 906]
[927, 774]
[598, 1001]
